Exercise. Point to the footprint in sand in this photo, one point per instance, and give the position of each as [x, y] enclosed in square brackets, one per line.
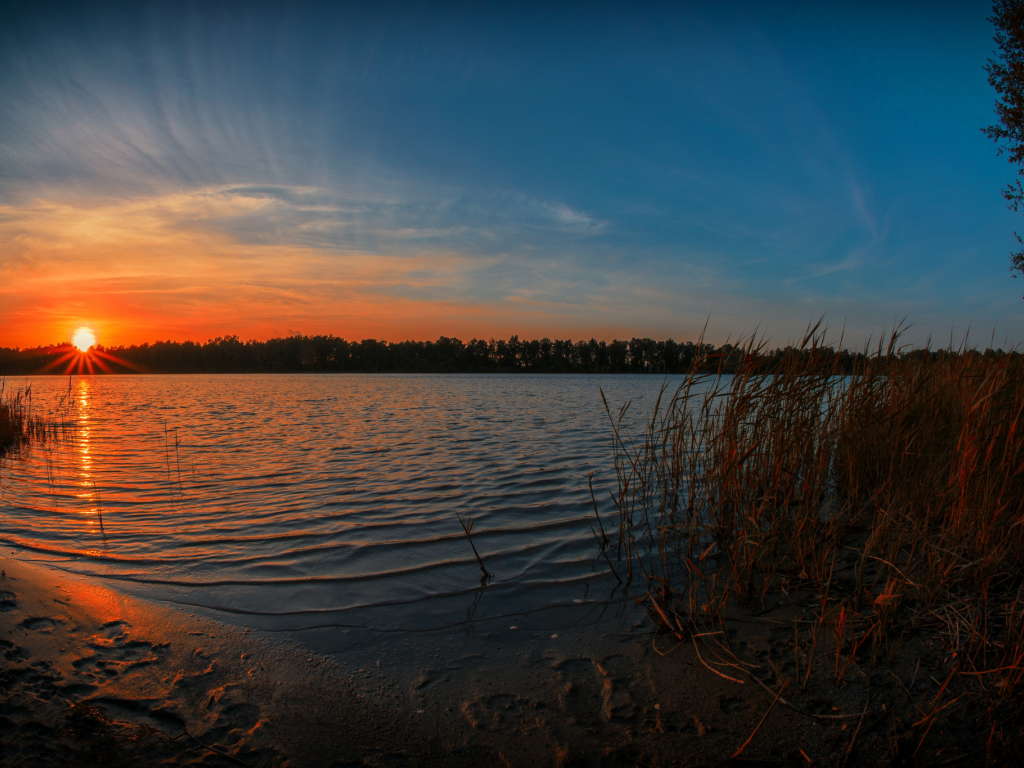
[13, 652]
[616, 703]
[37, 677]
[38, 624]
[500, 710]
[232, 717]
[8, 601]
[113, 634]
[115, 653]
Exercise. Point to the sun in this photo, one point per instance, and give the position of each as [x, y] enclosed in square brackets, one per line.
[86, 357]
[84, 338]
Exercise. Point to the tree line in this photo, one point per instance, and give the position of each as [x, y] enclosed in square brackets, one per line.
[330, 354]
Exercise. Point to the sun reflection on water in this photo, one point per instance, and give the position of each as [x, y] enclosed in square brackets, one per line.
[87, 479]
[313, 494]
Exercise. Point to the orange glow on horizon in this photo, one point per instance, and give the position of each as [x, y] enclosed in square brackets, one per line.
[150, 269]
[77, 361]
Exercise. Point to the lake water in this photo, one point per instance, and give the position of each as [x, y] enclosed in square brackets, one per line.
[326, 505]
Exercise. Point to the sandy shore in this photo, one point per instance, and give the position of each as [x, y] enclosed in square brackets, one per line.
[92, 676]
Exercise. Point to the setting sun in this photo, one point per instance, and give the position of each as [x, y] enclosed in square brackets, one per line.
[84, 338]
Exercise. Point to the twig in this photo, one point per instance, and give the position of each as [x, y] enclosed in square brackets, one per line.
[853, 741]
[99, 508]
[905, 690]
[654, 644]
[167, 456]
[657, 606]
[796, 648]
[934, 712]
[177, 461]
[603, 539]
[821, 621]
[952, 760]
[217, 751]
[758, 726]
[720, 674]
[468, 528]
[785, 703]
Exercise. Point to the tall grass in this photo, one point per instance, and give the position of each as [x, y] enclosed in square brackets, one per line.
[21, 424]
[880, 503]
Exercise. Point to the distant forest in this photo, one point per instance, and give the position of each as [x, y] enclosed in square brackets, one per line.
[330, 354]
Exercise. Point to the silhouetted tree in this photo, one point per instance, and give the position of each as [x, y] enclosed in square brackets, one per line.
[1006, 75]
[330, 354]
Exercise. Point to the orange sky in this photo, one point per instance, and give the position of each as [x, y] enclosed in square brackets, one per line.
[369, 172]
[186, 266]
[144, 270]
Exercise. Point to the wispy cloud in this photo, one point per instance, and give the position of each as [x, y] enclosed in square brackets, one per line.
[473, 171]
[195, 262]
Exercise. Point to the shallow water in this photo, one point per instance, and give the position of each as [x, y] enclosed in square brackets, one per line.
[326, 504]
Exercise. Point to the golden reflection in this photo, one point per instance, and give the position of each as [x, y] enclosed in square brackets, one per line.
[86, 475]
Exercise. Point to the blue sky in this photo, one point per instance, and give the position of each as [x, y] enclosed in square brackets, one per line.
[410, 170]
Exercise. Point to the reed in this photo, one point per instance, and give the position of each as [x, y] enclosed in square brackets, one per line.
[467, 527]
[878, 503]
[21, 424]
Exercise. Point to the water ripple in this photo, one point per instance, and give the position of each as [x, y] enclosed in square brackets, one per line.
[299, 496]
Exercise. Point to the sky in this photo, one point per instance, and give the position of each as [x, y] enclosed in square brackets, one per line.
[410, 170]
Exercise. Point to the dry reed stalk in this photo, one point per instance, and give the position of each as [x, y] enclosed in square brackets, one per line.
[467, 526]
[884, 500]
[99, 508]
[750, 738]
[856, 733]
[20, 425]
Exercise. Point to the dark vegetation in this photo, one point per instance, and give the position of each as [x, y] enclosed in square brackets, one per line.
[329, 354]
[21, 424]
[876, 519]
[1006, 75]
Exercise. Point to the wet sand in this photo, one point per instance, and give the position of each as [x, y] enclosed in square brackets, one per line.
[93, 676]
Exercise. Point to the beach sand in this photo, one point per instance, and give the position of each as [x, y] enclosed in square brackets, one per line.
[77, 654]
[92, 676]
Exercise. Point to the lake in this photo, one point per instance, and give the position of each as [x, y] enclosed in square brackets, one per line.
[325, 505]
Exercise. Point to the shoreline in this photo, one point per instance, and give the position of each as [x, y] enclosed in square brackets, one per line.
[169, 682]
[95, 674]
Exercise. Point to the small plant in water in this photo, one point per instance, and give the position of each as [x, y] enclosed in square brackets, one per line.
[467, 526]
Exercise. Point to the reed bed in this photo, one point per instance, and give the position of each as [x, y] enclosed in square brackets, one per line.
[21, 423]
[882, 505]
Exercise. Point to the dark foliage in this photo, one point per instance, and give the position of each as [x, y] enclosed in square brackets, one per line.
[330, 354]
[1006, 75]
